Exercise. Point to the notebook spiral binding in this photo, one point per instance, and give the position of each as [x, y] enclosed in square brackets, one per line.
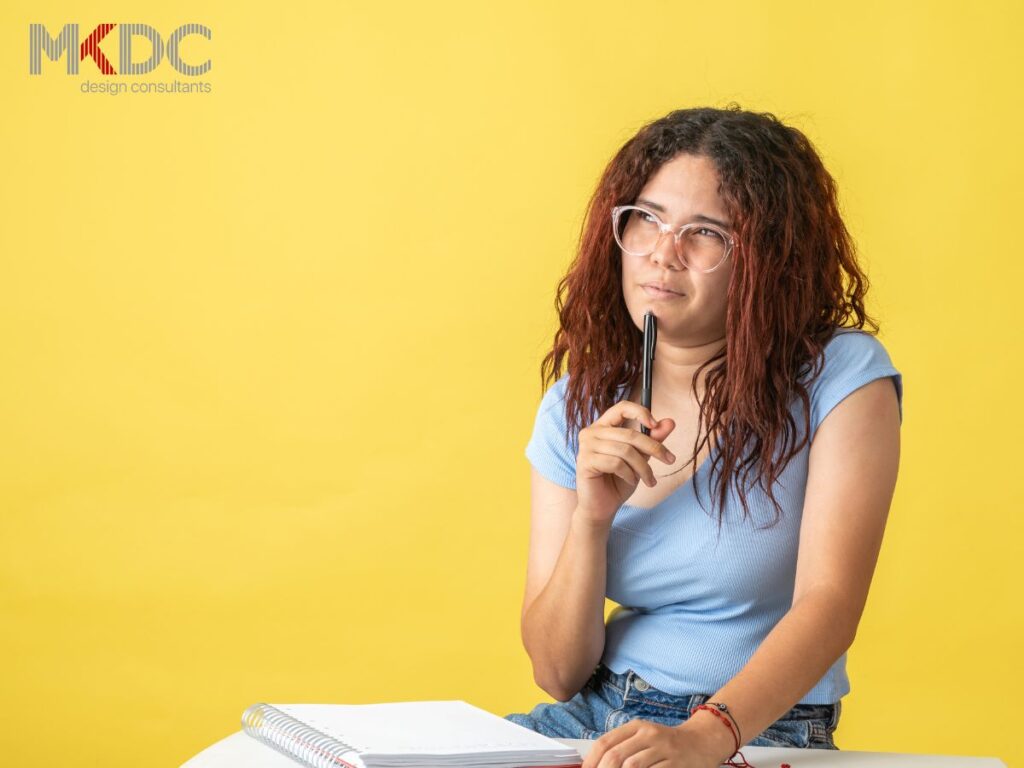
[295, 739]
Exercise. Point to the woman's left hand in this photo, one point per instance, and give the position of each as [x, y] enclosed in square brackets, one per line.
[645, 744]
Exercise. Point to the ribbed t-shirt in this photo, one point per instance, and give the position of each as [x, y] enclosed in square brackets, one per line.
[699, 603]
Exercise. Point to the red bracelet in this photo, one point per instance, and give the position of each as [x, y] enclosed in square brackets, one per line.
[735, 735]
[723, 708]
[721, 717]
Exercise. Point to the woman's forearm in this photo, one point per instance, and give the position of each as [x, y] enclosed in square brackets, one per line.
[787, 664]
[563, 629]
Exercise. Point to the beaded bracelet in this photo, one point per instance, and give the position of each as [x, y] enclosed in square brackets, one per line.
[735, 733]
[725, 722]
[724, 708]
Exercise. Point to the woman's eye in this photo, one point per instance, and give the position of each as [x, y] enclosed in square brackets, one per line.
[646, 217]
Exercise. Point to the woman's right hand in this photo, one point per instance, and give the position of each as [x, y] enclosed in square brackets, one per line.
[612, 459]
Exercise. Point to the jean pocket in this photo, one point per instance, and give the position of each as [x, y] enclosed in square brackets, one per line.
[785, 733]
[805, 726]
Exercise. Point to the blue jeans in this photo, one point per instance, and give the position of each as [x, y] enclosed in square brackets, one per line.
[609, 699]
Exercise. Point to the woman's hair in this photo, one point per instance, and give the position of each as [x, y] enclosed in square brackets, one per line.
[786, 293]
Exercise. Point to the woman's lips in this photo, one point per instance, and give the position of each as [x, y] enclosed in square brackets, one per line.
[655, 293]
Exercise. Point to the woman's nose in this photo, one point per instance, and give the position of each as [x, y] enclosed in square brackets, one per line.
[666, 252]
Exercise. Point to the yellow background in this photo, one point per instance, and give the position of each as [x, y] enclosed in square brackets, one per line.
[269, 355]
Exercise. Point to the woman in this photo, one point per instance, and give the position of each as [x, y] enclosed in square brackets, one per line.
[741, 572]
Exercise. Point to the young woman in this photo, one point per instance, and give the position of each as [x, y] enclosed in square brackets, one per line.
[742, 560]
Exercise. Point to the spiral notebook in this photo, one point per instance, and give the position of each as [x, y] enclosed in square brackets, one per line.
[402, 734]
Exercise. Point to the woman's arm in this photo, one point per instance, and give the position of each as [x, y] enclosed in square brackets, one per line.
[851, 479]
[563, 609]
[850, 483]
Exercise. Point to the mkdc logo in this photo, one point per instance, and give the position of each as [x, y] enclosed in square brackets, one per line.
[66, 44]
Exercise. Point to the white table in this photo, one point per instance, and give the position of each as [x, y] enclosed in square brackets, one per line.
[241, 751]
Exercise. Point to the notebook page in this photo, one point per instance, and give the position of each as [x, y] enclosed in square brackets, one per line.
[421, 727]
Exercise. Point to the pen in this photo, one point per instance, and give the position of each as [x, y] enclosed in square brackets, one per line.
[650, 338]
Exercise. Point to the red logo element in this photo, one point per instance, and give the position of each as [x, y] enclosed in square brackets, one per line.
[91, 47]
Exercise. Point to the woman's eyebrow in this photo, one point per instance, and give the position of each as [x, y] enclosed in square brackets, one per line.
[696, 216]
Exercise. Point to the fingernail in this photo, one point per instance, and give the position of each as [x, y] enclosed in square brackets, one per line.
[671, 457]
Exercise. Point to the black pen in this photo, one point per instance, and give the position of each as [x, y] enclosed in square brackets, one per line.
[650, 339]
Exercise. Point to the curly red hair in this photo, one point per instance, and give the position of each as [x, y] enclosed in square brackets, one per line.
[794, 280]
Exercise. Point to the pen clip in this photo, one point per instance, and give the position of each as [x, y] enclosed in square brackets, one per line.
[650, 342]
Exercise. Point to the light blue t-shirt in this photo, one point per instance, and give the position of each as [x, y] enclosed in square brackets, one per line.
[699, 604]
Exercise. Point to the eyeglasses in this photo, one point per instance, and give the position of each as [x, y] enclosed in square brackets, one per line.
[701, 246]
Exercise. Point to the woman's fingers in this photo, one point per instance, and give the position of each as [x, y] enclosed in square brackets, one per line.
[645, 444]
[611, 464]
[610, 450]
[625, 410]
[631, 446]
[625, 453]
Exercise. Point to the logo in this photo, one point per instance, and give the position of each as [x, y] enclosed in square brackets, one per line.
[74, 51]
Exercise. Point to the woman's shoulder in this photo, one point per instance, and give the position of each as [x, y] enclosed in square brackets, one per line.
[853, 357]
[853, 348]
[550, 449]
[842, 335]
[555, 395]
[553, 403]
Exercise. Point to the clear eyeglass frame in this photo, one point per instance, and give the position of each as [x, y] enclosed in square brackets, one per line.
[619, 210]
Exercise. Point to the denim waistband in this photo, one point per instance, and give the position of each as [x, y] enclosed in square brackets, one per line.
[635, 689]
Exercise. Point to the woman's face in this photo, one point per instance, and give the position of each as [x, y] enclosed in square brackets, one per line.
[681, 189]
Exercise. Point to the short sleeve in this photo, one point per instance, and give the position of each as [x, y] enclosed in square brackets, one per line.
[547, 449]
[853, 358]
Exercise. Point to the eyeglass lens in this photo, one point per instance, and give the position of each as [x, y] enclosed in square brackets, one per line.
[700, 247]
